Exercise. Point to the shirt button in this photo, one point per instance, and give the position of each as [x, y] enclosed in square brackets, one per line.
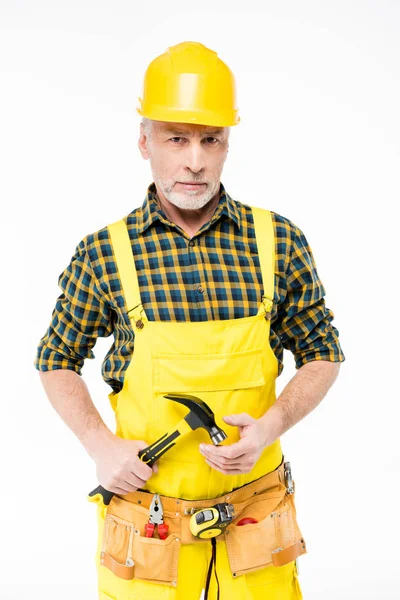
[200, 289]
[191, 243]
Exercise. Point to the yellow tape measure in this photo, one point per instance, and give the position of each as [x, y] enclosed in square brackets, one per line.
[210, 522]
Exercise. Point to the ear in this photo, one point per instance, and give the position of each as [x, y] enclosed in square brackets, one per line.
[142, 143]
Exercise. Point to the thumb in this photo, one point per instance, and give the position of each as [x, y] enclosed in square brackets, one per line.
[239, 420]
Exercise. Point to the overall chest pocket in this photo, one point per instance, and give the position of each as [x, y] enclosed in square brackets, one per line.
[207, 372]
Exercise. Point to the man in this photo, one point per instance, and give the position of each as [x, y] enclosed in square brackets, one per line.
[202, 293]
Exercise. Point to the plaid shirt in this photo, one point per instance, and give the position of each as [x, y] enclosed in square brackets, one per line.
[222, 258]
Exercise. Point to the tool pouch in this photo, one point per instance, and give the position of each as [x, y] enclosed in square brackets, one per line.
[275, 540]
[129, 554]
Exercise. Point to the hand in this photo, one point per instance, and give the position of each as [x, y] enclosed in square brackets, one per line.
[119, 469]
[240, 457]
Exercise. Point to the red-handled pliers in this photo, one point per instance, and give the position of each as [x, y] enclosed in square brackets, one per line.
[156, 518]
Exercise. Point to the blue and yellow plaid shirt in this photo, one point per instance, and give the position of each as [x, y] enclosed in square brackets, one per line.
[214, 275]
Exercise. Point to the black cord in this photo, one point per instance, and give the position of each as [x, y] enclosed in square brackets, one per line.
[213, 560]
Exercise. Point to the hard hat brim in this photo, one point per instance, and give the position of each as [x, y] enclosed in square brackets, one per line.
[201, 117]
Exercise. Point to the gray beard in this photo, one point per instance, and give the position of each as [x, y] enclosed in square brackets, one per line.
[188, 203]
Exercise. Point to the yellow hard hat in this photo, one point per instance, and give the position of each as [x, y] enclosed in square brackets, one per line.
[189, 84]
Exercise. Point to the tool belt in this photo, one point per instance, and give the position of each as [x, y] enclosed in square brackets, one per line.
[274, 540]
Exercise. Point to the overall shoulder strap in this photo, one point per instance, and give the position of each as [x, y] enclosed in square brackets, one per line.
[265, 237]
[122, 247]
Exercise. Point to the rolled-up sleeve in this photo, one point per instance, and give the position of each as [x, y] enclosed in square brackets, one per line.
[304, 323]
[79, 317]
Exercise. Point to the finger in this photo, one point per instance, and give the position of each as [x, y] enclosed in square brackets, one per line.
[142, 470]
[236, 471]
[234, 451]
[225, 463]
[141, 445]
[121, 491]
[225, 467]
[239, 420]
[133, 481]
[228, 464]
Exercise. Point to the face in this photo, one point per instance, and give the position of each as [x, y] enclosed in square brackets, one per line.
[183, 153]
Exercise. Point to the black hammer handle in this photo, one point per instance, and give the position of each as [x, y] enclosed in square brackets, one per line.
[148, 455]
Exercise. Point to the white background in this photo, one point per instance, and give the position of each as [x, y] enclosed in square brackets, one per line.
[319, 96]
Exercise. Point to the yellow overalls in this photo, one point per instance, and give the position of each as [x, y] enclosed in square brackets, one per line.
[230, 365]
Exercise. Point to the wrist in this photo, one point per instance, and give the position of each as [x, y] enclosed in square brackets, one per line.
[272, 425]
[96, 440]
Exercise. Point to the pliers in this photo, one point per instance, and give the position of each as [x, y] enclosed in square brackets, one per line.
[156, 518]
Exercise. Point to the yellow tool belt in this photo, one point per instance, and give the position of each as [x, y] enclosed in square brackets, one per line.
[274, 540]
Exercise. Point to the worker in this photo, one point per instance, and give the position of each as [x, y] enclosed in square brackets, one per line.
[202, 293]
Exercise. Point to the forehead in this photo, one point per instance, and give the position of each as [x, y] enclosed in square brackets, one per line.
[188, 128]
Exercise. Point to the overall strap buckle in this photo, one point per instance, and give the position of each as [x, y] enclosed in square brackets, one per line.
[136, 313]
[268, 305]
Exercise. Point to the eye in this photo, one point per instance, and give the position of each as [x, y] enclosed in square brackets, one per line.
[212, 138]
[176, 138]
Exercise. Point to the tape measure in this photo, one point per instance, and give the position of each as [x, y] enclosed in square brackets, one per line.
[210, 522]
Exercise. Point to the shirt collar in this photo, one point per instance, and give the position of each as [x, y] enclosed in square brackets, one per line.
[150, 211]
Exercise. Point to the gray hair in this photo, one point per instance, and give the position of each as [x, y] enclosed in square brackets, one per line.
[147, 126]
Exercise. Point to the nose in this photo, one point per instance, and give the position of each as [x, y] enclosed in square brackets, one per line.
[195, 157]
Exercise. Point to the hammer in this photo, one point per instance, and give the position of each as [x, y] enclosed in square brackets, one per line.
[200, 415]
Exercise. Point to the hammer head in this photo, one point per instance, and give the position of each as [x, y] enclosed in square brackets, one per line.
[200, 415]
